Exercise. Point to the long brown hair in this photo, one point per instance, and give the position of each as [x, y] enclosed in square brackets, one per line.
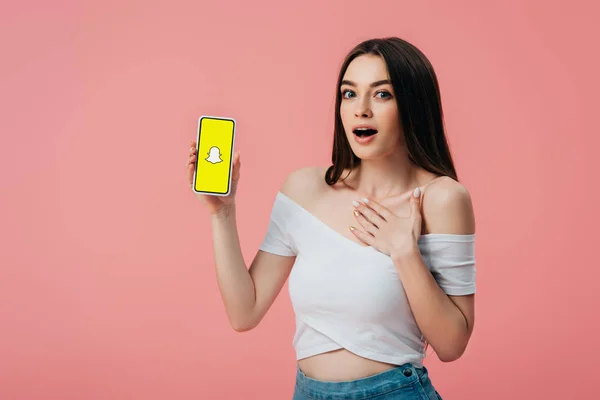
[419, 105]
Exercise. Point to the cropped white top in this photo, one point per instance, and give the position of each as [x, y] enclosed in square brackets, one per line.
[346, 295]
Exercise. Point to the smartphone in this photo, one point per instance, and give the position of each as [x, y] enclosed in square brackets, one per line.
[214, 161]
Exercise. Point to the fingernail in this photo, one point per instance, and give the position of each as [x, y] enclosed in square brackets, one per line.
[417, 192]
[355, 203]
[356, 213]
[365, 200]
[352, 228]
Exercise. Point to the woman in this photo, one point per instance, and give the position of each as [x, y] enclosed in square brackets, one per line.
[378, 247]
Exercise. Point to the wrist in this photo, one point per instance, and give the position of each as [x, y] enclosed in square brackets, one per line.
[406, 253]
[223, 213]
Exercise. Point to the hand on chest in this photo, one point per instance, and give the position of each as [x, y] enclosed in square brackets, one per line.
[338, 213]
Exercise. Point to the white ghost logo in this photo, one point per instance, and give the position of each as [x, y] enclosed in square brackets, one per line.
[214, 155]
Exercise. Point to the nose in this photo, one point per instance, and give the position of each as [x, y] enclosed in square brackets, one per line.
[363, 110]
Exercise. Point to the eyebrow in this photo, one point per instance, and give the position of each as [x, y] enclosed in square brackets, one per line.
[374, 84]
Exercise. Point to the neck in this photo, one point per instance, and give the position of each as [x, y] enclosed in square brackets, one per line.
[388, 176]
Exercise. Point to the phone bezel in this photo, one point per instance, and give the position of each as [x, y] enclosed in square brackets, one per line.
[198, 129]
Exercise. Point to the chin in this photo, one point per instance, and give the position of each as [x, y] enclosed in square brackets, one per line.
[370, 154]
[372, 151]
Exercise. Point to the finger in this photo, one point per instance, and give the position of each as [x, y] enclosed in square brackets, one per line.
[236, 165]
[415, 203]
[378, 208]
[192, 150]
[191, 164]
[369, 214]
[366, 224]
[190, 174]
[362, 236]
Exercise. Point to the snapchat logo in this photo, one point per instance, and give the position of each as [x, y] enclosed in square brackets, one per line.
[214, 155]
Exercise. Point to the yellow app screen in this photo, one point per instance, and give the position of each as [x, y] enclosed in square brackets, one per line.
[215, 153]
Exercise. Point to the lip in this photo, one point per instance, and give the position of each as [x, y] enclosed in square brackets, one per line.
[364, 127]
[363, 140]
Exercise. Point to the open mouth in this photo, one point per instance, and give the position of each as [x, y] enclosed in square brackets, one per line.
[365, 132]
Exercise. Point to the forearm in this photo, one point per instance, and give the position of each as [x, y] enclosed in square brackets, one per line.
[440, 320]
[234, 280]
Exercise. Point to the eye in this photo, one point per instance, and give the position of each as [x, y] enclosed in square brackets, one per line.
[385, 94]
[347, 93]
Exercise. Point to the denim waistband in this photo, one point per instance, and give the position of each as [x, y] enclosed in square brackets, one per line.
[404, 377]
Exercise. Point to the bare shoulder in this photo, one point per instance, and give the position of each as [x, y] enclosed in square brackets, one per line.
[447, 208]
[303, 183]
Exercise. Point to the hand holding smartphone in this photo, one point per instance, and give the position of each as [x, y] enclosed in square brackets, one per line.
[213, 166]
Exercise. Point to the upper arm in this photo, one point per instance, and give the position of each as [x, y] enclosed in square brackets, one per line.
[447, 208]
[274, 260]
[269, 273]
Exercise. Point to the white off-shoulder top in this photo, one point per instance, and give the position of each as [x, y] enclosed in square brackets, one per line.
[346, 295]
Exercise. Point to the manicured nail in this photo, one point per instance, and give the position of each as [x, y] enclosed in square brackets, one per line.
[356, 213]
[417, 192]
[355, 203]
[365, 200]
[352, 228]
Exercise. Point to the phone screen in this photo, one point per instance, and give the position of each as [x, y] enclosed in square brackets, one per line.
[214, 163]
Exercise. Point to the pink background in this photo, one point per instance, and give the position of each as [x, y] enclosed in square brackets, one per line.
[107, 287]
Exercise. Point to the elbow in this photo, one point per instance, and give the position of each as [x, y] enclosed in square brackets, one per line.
[454, 347]
[449, 357]
[242, 326]
[453, 353]
[241, 329]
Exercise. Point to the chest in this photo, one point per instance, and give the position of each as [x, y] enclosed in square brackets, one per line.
[335, 273]
[335, 212]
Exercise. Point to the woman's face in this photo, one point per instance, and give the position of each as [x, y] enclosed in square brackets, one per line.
[368, 108]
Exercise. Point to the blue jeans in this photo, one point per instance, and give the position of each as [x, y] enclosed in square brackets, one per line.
[404, 382]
